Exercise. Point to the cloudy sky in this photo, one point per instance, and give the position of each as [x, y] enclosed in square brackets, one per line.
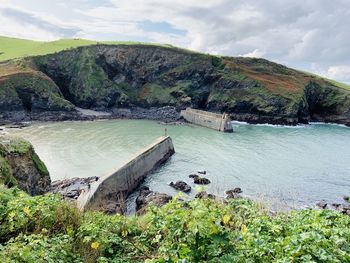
[312, 35]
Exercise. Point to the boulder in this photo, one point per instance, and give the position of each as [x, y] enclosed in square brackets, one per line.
[147, 197]
[322, 205]
[71, 188]
[205, 195]
[181, 186]
[199, 180]
[234, 193]
[236, 190]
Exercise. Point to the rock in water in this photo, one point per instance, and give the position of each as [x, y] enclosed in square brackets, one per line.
[147, 197]
[202, 172]
[322, 205]
[205, 195]
[234, 193]
[199, 180]
[181, 186]
[236, 190]
[20, 166]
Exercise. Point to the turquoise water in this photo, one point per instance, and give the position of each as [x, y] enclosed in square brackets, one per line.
[282, 166]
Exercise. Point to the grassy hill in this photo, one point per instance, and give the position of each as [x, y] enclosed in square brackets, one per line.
[11, 48]
[55, 76]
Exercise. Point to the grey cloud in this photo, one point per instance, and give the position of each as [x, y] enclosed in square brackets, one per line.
[307, 34]
[291, 32]
[30, 19]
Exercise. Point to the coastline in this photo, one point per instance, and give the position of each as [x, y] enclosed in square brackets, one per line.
[164, 115]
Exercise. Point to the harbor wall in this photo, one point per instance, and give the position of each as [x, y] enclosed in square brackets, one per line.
[108, 193]
[219, 122]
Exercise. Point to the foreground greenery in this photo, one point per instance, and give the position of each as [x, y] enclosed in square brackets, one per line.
[46, 229]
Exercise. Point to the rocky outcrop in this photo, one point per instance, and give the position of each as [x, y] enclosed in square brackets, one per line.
[129, 80]
[20, 166]
[147, 197]
[199, 180]
[181, 186]
[205, 195]
[234, 193]
[342, 208]
[70, 189]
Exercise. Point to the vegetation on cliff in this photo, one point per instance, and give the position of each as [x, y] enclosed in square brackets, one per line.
[20, 166]
[113, 75]
[12, 48]
[46, 229]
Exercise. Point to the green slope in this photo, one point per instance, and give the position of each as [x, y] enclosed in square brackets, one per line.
[11, 48]
[334, 82]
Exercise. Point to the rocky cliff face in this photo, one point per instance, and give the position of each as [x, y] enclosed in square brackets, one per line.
[21, 166]
[110, 78]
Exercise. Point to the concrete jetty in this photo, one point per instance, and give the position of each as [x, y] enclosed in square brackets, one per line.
[110, 191]
[219, 122]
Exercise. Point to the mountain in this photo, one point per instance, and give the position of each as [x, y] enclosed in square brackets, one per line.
[111, 76]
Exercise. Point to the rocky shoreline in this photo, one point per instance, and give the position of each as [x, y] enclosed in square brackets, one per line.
[163, 114]
[166, 115]
[70, 190]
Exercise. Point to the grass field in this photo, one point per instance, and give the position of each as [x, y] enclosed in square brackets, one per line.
[11, 48]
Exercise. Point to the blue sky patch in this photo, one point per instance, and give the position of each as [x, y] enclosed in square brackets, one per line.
[160, 27]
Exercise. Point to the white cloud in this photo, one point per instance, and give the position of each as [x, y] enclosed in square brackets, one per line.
[341, 72]
[26, 31]
[307, 34]
[256, 53]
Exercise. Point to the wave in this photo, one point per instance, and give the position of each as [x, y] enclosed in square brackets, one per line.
[240, 122]
[328, 123]
[298, 126]
[270, 125]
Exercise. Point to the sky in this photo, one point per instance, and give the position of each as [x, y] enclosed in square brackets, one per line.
[311, 35]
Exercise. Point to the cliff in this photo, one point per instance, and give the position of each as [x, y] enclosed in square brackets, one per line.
[20, 166]
[114, 77]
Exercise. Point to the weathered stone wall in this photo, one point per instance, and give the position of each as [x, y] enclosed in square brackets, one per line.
[108, 193]
[219, 122]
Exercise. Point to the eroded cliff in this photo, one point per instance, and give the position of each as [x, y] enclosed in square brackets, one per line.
[113, 77]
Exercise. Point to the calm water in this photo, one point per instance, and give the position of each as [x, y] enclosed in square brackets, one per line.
[282, 166]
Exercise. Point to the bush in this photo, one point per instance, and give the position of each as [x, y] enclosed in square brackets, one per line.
[39, 249]
[46, 229]
[22, 213]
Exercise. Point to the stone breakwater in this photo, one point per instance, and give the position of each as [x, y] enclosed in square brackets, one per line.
[219, 122]
[109, 192]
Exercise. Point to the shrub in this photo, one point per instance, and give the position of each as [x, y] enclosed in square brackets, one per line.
[26, 214]
[39, 249]
[47, 229]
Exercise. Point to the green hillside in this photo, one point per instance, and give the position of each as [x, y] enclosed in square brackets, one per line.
[104, 77]
[11, 48]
